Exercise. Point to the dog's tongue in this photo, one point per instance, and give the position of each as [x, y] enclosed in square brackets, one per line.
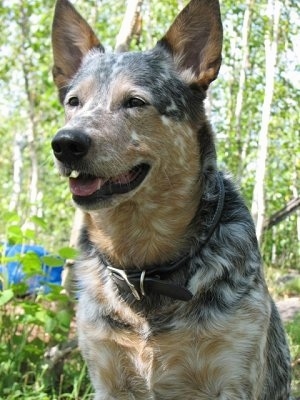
[84, 186]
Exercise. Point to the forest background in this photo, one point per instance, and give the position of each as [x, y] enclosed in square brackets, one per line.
[254, 109]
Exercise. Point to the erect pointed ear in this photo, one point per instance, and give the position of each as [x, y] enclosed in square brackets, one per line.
[72, 38]
[195, 41]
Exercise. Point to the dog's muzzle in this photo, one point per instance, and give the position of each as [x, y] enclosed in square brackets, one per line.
[71, 148]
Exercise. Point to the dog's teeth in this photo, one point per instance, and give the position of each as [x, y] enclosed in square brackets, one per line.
[74, 174]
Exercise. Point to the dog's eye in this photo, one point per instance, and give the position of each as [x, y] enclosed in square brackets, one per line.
[134, 102]
[73, 101]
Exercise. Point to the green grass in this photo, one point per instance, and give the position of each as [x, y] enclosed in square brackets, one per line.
[27, 376]
[293, 331]
[281, 288]
[70, 387]
[29, 326]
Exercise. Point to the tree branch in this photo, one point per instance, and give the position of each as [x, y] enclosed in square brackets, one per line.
[280, 215]
[57, 354]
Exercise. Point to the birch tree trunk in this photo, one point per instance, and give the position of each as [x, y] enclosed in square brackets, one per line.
[31, 135]
[18, 146]
[67, 274]
[131, 25]
[242, 82]
[271, 44]
[32, 131]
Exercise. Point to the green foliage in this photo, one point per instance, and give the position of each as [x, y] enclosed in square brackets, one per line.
[28, 327]
[293, 331]
[291, 287]
[237, 143]
[31, 324]
[28, 324]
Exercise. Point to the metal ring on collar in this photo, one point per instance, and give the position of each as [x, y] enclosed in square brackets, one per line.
[142, 277]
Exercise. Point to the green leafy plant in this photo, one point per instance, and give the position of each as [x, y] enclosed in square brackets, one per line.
[293, 331]
[31, 324]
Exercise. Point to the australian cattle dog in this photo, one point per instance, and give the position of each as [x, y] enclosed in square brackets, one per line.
[173, 303]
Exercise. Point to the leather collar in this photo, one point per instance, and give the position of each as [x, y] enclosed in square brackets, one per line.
[155, 280]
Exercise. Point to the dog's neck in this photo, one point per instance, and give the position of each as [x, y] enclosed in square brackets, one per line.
[145, 230]
[142, 282]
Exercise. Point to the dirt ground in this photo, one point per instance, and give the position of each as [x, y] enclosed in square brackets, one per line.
[288, 308]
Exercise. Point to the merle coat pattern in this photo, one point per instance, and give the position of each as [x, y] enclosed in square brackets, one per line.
[173, 303]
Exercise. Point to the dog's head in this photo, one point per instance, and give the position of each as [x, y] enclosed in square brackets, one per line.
[134, 118]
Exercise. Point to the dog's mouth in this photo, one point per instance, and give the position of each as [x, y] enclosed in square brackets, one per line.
[87, 189]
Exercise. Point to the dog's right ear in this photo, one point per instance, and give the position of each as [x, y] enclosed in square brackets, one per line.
[195, 41]
[72, 38]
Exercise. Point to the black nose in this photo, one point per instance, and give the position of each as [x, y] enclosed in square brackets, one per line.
[70, 145]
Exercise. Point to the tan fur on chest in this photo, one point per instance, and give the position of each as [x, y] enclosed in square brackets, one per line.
[207, 361]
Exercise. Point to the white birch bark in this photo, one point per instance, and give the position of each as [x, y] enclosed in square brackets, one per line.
[33, 187]
[67, 274]
[242, 83]
[18, 146]
[271, 44]
[129, 24]
[32, 131]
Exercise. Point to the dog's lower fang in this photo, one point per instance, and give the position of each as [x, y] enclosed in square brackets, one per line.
[74, 174]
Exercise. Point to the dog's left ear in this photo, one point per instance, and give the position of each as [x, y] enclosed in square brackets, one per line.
[195, 41]
[72, 38]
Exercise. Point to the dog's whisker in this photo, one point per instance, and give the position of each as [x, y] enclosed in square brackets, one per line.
[167, 178]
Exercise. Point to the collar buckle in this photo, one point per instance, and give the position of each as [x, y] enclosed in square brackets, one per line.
[121, 274]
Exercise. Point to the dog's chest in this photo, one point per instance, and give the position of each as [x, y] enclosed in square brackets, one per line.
[168, 360]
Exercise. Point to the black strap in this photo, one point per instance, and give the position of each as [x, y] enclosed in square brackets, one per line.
[143, 283]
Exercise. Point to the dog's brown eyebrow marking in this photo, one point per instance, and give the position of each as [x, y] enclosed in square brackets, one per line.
[85, 89]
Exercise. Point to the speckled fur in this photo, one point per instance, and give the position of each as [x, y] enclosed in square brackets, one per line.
[227, 343]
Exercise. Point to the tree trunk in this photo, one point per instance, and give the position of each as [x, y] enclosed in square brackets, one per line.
[131, 25]
[31, 133]
[242, 82]
[271, 43]
[18, 147]
[67, 275]
[33, 187]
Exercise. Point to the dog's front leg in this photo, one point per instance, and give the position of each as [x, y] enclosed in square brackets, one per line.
[115, 370]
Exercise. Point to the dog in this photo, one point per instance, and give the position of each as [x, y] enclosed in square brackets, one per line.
[173, 302]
